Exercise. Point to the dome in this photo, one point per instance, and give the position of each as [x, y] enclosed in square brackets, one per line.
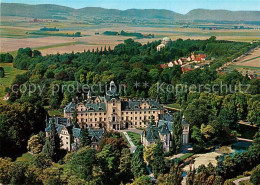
[166, 39]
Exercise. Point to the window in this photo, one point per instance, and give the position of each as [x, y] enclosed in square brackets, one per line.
[100, 119]
[67, 138]
[86, 114]
[81, 114]
[90, 114]
[104, 113]
[95, 119]
[90, 119]
[135, 118]
[140, 117]
[86, 120]
[104, 119]
[95, 114]
[100, 114]
[82, 119]
[131, 112]
[67, 143]
[114, 110]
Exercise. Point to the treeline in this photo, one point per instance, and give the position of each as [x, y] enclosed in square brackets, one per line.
[6, 58]
[129, 34]
[77, 34]
[49, 29]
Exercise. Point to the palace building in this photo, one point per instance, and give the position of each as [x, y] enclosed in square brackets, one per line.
[112, 112]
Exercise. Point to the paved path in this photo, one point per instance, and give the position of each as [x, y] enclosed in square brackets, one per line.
[177, 156]
[243, 139]
[240, 180]
[133, 147]
[131, 130]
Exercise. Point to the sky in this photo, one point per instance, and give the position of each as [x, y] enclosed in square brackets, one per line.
[180, 6]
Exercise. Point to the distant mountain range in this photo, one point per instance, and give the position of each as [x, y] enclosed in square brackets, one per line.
[47, 11]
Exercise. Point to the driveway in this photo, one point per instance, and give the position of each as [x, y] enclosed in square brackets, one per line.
[132, 146]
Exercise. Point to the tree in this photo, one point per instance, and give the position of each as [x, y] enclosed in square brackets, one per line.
[148, 153]
[108, 161]
[143, 180]
[81, 164]
[34, 144]
[85, 139]
[52, 143]
[125, 166]
[42, 161]
[176, 133]
[174, 177]
[2, 72]
[255, 177]
[158, 165]
[137, 162]
[5, 165]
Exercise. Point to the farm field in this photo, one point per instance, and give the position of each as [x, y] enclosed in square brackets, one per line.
[10, 74]
[19, 32]
[251, 60]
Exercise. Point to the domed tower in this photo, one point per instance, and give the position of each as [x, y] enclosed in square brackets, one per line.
[166, 40]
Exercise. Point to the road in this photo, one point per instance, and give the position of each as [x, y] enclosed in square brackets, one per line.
[240, 180]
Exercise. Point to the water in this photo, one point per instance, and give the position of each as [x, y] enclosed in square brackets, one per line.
[241, 146]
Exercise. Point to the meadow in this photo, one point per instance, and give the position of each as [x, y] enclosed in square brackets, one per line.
[10, 74]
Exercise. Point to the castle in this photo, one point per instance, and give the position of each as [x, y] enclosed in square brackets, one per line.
[112, 112]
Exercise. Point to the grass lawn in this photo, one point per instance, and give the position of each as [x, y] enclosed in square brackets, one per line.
[185, 156]
[135, 137]
[54, 112]
[174, 105]
[26, 157]
[10, 74]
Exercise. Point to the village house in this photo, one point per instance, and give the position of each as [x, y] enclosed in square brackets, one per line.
[112, 112]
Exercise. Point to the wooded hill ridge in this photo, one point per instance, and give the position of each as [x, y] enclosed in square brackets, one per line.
[49, 11]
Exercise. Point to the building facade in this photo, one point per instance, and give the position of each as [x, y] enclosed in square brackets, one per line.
[112, 112]
[163, 133]
[70, 134]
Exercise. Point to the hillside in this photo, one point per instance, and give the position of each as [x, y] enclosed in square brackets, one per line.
[47, 11]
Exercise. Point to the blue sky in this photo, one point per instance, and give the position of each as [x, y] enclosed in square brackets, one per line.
[180, 6]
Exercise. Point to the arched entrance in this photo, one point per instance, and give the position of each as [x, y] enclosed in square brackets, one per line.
[126, 125]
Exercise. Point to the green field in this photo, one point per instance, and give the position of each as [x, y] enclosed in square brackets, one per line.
[10, 74]
[135, 137]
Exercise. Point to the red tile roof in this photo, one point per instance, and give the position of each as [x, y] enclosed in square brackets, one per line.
[164, 65]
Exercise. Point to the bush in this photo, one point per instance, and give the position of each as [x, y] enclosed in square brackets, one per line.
[255, 177]
[2, 72]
